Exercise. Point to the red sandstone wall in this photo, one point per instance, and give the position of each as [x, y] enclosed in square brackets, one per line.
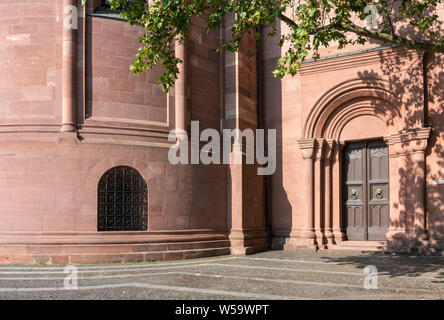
[282, 107]
[435, 154]
[53, 187]
[30, 50]
[205, 76]
[112, 90]
[49, 182]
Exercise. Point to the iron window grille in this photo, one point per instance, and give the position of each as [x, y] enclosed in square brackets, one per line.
[122, 201]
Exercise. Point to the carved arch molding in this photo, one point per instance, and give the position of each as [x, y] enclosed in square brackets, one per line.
[359, 109]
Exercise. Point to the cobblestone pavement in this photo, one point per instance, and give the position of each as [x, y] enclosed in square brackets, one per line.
[269, 275]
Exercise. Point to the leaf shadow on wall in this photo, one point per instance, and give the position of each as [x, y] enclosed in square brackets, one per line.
[421, 106]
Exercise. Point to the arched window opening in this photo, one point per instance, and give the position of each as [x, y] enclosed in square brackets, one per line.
[122, 201]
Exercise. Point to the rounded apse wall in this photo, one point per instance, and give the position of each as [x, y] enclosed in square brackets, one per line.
[50, 180]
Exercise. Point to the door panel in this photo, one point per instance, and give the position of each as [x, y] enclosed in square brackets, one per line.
[366, 189]
[354, 191]
[378, 184]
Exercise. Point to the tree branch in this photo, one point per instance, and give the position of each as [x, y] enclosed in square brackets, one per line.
[410, 44]
[426, 46]
[287, 20]
[387, 13]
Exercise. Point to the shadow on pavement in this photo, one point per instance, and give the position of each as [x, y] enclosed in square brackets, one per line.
[395, 266]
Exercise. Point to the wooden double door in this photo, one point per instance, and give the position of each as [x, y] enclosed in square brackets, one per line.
[366, 214]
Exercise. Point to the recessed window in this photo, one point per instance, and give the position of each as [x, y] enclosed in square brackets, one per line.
[122, 201]
[104, 10]
[106, 4]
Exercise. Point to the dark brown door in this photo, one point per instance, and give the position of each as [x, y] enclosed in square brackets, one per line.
[366, 190]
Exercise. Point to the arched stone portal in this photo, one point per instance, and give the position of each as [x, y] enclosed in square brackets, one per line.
[351, 111]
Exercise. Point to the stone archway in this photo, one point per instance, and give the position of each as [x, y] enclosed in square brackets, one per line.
[355, 110]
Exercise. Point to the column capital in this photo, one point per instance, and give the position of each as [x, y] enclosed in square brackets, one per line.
[329, 149]
[409, 141]
[307, 146]
[319, 149]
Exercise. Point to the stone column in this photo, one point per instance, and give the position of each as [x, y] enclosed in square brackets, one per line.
[181, 90]
[418, 145]
[407, 185]
[318, 190]
[236, 202]
[328, 226]
[69, 62]
[420, 226]
[397, 209]
[337, 194]
[245, 192]
[398, 149]
[308, 235]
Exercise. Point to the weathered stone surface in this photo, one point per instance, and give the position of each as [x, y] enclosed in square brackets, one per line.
[60, 132]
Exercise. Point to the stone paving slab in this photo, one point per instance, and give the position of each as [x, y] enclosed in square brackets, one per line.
[302, 274]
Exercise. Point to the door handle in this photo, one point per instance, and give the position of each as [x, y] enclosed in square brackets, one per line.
[379, 193]
[354, 194]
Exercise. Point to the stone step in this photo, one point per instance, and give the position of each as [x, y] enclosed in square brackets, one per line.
[128, 257]
[362, 245]
[110, 248]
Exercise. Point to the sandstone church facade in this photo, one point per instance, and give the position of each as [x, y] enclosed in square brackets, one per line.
[84, 170]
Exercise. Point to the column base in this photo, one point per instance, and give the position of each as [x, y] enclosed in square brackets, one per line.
[321, 239]
[329, 236]
[244, 241]
[68, 127]
[305, 238]
[68, 138]
[338, 236]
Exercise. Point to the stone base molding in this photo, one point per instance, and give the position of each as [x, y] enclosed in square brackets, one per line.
[301, 242]
[110, 247]
[245, 241]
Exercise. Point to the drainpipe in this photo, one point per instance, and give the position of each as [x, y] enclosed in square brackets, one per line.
[425, 73]
[425, 61]
[261, 125]
[222, 79]
[181, 90]
[69, 62]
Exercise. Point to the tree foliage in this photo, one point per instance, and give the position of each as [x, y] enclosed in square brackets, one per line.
[313, 24]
